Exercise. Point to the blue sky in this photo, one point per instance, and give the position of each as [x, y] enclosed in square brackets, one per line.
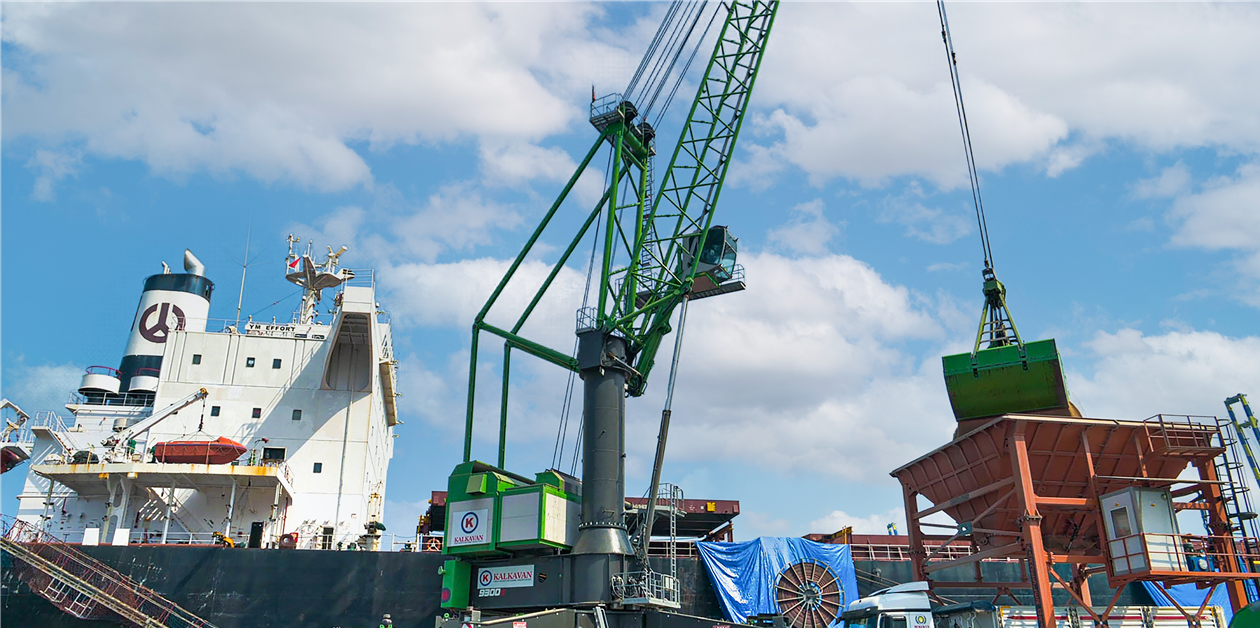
[1118, 145]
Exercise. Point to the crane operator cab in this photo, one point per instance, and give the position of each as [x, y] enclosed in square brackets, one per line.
[715, 269]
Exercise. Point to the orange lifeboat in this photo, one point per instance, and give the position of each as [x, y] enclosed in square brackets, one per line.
[221, 450]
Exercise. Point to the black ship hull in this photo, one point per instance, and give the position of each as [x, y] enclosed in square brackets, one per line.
[259, 588]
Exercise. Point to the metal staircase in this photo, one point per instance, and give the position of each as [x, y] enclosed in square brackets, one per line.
[85, 587]
[1236, 495]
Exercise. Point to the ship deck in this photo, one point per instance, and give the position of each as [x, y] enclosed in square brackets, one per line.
[93, 479]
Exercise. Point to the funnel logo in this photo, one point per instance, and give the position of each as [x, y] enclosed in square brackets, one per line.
[157, 330]
[469, 527]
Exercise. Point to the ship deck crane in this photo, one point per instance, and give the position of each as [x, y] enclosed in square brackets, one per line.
[1008, 374]
[656, 249]
[12, 454]
[118, 442]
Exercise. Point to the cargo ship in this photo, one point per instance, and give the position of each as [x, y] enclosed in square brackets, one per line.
[219, 433]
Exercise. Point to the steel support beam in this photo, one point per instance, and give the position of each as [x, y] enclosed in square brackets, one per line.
[1038, 561]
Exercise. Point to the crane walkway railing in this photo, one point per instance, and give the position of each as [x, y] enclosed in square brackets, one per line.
[80, 585]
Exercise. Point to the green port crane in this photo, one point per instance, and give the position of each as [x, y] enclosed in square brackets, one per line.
[656, 249]
[656, 252]
[1007, 374]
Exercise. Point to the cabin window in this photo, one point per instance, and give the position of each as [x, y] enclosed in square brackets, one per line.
[894, 622]
[1120, 522]
[297, 414]
[319, 467]
[275, 364]
[196, 358]
[249, 363]
[273, 453]
[214, 410]
[257, 414]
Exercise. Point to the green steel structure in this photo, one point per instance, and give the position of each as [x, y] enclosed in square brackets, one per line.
[1241, 426]
[657, 250]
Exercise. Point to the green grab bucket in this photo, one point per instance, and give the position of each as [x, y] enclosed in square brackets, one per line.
[1001, 381]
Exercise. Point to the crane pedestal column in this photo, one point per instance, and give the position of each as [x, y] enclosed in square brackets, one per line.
[602, 542]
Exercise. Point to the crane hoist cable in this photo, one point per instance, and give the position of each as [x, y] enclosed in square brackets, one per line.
[972, 174]
[1011, 375]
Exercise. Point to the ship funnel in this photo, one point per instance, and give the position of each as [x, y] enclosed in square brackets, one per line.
[170, 302]
[192, 265]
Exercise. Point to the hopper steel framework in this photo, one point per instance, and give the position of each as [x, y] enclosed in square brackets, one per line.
[1028, 487]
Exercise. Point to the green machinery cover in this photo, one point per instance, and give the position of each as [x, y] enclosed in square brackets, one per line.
[1001, 380]
[492, 511]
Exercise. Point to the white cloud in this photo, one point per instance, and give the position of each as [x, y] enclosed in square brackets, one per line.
[51, 166]
[43, 387]
[808, 232]
[861, 91]
[1172, 181]
[278, 92]
[947, 267]
[872, 524]
[1225, 215]
[923, 223]
[1178, 372]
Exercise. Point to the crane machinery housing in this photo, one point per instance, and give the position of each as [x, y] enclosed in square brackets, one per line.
[519, 544]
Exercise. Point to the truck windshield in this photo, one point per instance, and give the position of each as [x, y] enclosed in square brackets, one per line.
[893, 621]
[869, 621]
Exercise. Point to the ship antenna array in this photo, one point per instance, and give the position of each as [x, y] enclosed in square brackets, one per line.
[972, 173]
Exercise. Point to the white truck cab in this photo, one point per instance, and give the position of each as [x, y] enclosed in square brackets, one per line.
[903, 606]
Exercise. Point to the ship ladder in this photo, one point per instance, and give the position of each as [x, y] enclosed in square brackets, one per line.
[1236, 496]
[79, 581]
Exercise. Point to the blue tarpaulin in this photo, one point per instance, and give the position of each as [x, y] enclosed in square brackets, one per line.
[1190, 597]
[745, 574]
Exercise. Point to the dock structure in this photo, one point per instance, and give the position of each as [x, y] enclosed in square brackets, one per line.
[1100, 495]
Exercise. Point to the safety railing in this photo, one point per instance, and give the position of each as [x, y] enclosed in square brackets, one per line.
[1180, 433]
[1225, 556]
[647, 588]
[55, 570]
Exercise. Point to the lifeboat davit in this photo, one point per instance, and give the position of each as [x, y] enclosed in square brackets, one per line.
[11, 455]
[221, 450]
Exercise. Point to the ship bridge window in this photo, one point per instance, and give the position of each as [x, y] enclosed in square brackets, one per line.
[257, 413]
[273, 453]
[275, 364]
[196, 358]
[297, 414]
[249, 363]
[319, 467]
[214, 410]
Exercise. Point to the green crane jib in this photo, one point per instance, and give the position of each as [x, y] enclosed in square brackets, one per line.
[1008, 375]
[656, 252]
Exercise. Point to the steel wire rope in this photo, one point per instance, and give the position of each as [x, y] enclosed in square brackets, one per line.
[665, 62]
[562, 430]
[652, 46]
[974, 176]
[686, 68]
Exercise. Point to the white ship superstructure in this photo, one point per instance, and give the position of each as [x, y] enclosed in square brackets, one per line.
[267, 434]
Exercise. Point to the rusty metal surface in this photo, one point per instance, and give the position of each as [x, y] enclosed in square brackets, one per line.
[973, 474]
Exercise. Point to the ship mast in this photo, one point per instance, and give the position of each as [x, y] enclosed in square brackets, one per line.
[313, 278]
